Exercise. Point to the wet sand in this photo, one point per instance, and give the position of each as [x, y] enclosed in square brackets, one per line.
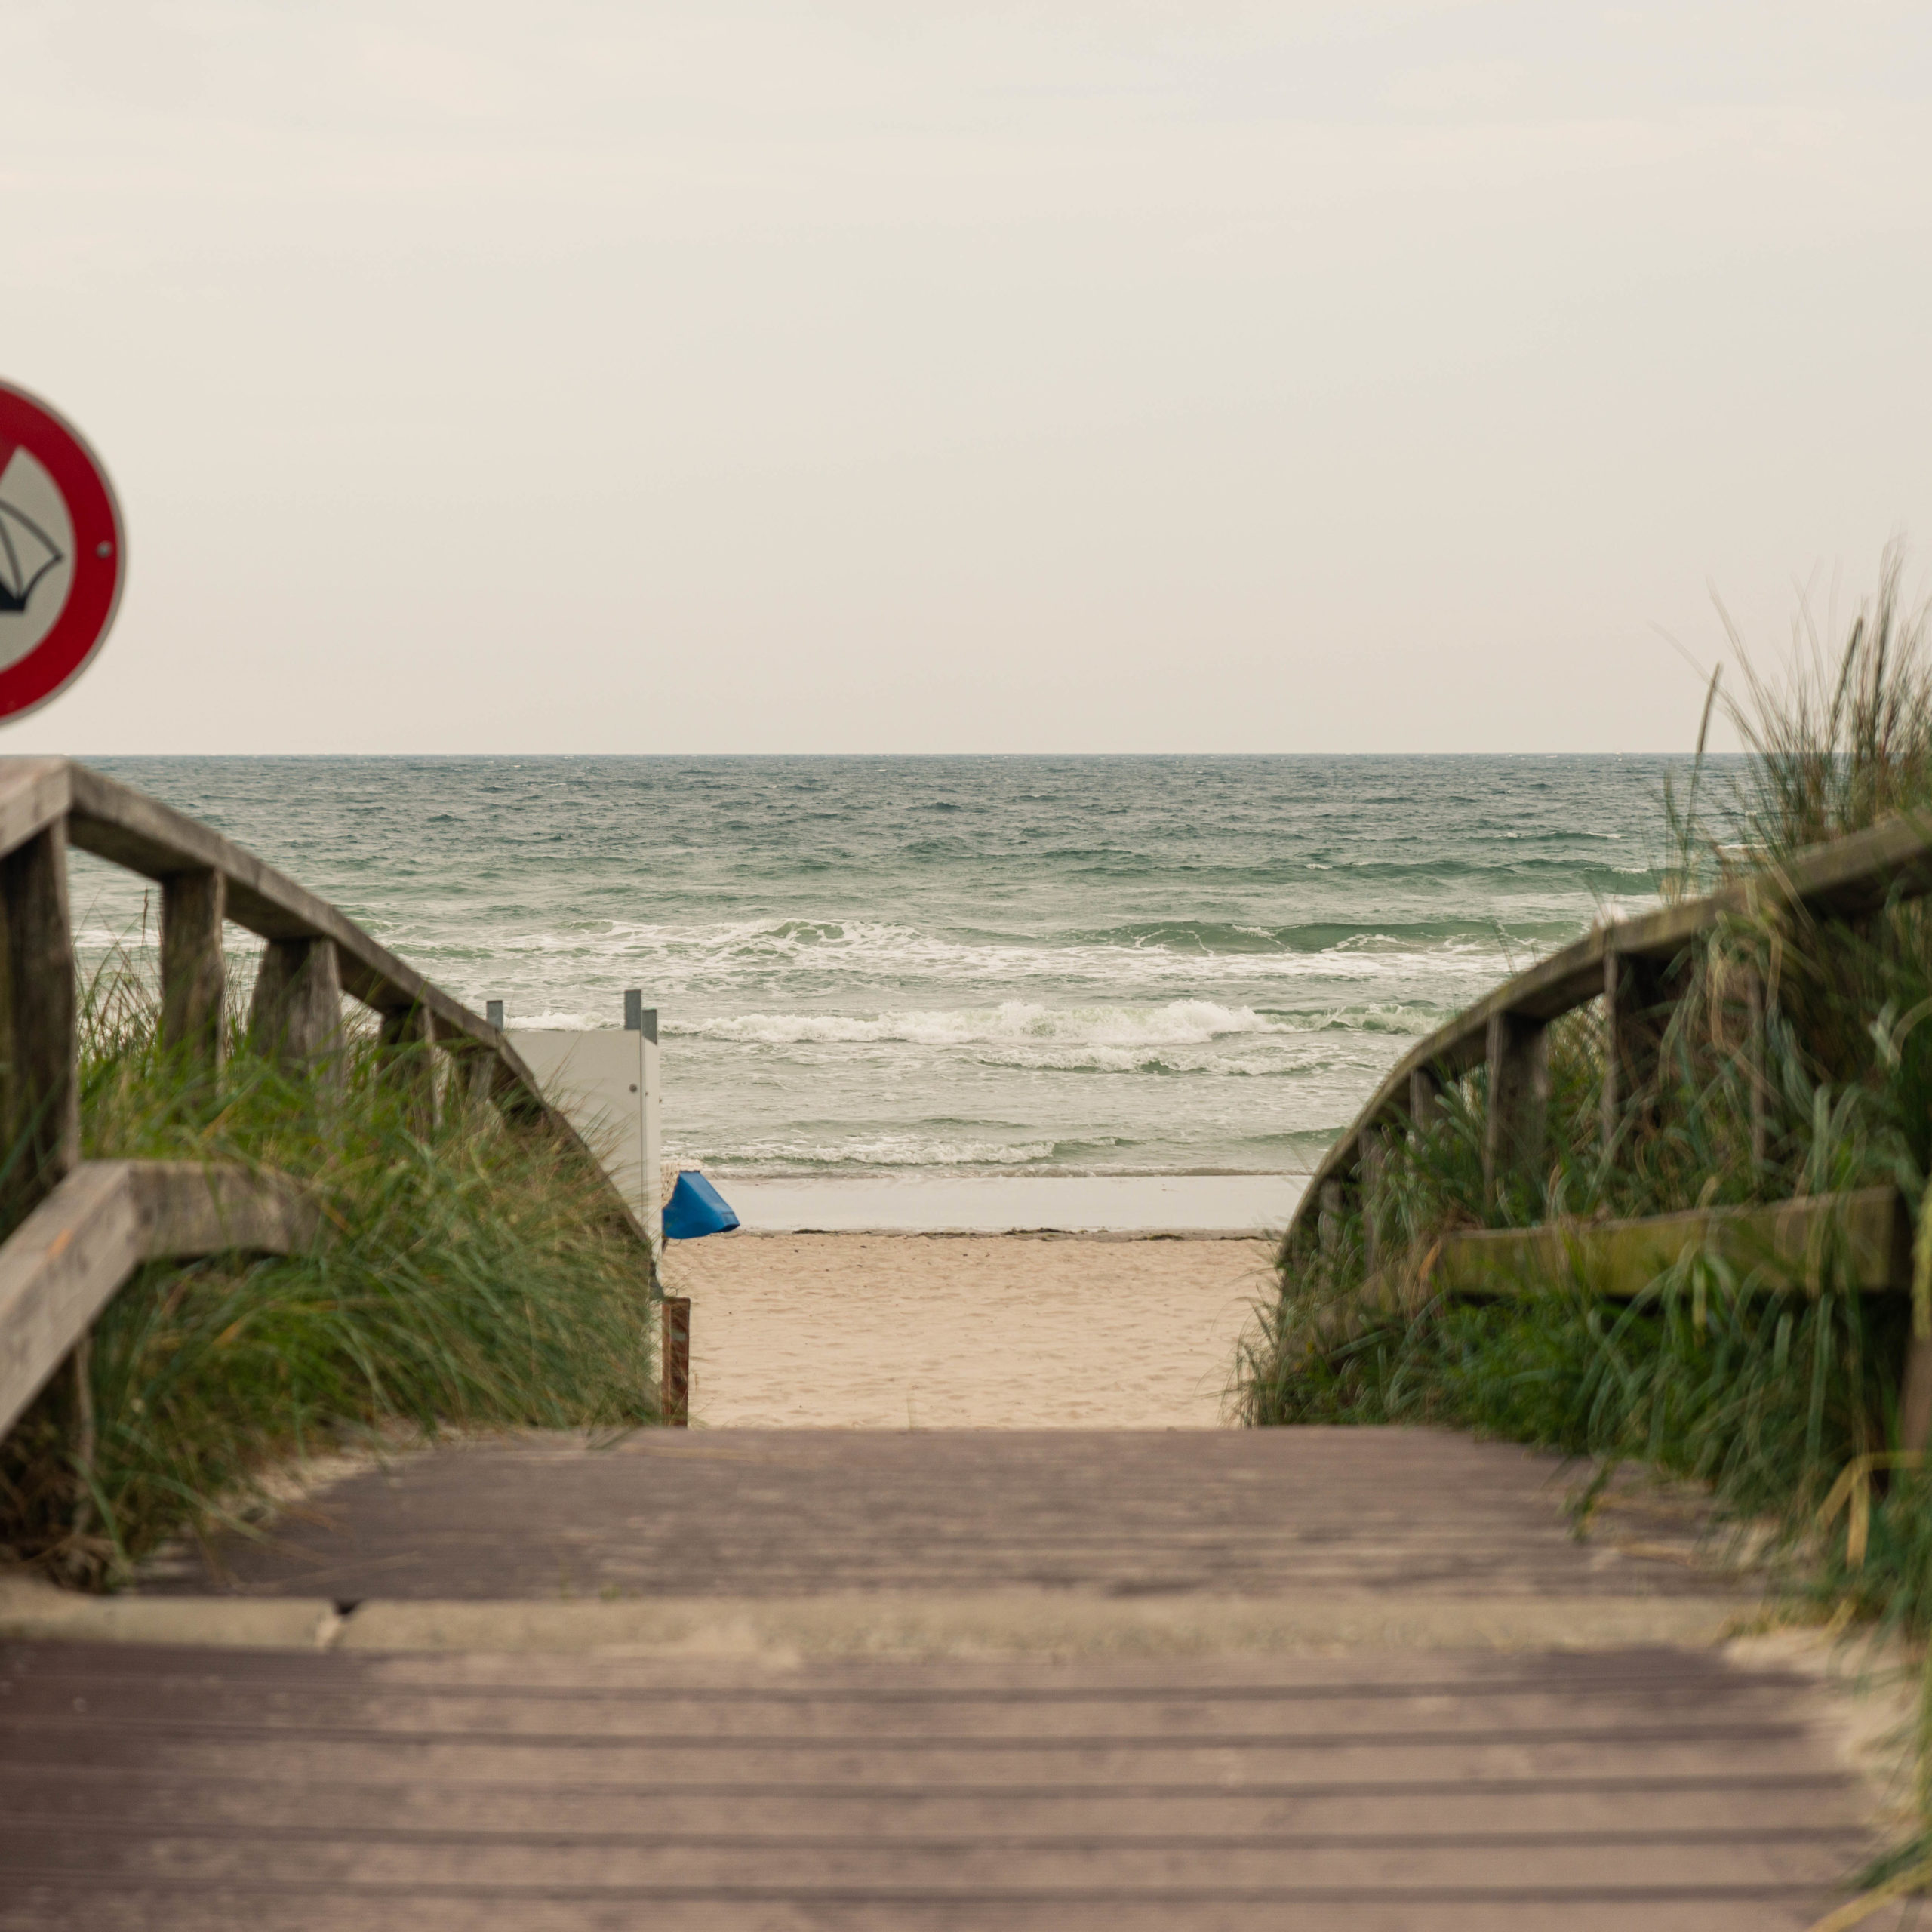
[926, 1331]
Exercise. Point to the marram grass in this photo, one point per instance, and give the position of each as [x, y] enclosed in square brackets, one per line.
[467, 1275]
[1780, 1393]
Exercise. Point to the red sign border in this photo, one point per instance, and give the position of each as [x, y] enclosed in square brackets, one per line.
[94, 596]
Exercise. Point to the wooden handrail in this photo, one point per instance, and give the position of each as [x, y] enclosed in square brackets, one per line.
[87, 1225]
[70, 1257]
[1849, 875]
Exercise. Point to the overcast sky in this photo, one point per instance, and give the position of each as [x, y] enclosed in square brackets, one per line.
[733, 375]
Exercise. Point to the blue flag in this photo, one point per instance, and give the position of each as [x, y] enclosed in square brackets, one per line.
[696, 1207]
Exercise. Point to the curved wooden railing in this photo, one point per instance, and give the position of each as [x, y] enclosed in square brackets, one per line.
[1629, 965]
[87, 1225]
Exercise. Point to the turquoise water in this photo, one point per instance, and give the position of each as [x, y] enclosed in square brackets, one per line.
[958, 965]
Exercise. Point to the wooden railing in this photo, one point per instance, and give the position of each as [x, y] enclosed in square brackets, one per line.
[1630, 965]
[87, 1225]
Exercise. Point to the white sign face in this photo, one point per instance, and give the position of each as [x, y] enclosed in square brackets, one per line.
[36, 556]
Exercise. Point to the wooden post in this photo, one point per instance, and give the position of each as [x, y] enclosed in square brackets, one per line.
[410, 1033]
[41, 1116]
[1329, 1222]
[194, 976]
[1757, 1074]
[295, 1013]
[1374, 1171]
[1425, 1106]
[674, 1399]
[1514, 1134]
[1636, 1008]
[1916, 1397]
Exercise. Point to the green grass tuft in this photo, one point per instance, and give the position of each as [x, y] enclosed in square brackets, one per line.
[468, 1274]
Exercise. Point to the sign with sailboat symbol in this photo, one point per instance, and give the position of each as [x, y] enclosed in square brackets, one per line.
[63, 555]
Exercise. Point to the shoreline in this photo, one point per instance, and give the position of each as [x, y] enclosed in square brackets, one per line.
[1256, 1205]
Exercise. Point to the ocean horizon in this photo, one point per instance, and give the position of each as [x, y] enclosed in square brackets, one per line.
[948, 967]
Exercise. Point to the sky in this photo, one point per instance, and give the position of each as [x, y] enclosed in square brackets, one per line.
[751, 377]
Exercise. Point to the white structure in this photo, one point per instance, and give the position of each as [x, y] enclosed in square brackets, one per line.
[605, 1083]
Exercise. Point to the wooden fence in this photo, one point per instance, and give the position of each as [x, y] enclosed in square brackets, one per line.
[88, 1225]
[1631, 966]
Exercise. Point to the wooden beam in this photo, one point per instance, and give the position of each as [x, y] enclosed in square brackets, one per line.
[295, 1015]
[1636, 1009]
[1426, 1104]
[41, 1116]
[674, 1400]
[1516, 1132]
[1374, 1181]
[194, 975]
[409, 1041]
[1622, 1258]
[1329, 1227]
[66, 1261]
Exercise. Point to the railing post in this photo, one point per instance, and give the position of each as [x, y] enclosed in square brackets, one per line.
[410, 1032]
[1757, 1074]
[295, 1013]
[674, 1399]
[1636, 1008]
[1374, 1174]
[41, 1116]
[1426, 1106]
[1514, 1135]
[194, 975]
[1916, 1397]
[1329, 1210]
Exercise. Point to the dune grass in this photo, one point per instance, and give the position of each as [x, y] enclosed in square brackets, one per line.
[467, 1275]
[1780, 1393]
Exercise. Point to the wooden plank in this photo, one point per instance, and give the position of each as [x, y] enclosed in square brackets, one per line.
[42, 1112]
[194, 975]
[1622, 1258]
[1516, 1132]
[67, 1260]
[188, 1208]
[295, 1015]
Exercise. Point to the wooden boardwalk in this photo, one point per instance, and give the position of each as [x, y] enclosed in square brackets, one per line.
[1294, 1678]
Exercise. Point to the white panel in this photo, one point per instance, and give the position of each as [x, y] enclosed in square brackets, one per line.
[596, 1080]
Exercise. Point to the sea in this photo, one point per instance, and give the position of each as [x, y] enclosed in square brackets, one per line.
[955, 969]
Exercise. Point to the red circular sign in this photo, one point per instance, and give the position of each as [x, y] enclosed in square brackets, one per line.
[63, 555]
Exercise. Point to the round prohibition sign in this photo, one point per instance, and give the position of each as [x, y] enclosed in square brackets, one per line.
[62, 552]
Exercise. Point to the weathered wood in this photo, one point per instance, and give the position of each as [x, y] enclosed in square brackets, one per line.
[34, 793]
[1329, 1228]
[1916, 1397]
[674, 1399]
[1843, 878]
[1756, 1069]
[295, 1013]
[1374, 1177]
[41, 1115]
[1516, 1133]
[409, 1037]
[193, 974]
[1636, 1009]
[70, 1256]
[1622, 1258]
[1425, 1103]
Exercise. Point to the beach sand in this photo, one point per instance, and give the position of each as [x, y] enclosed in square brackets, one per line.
[939, 1331]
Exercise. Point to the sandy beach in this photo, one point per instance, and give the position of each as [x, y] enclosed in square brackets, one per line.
[930, 1332]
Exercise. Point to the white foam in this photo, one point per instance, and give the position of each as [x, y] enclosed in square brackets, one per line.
[1179, 1022]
